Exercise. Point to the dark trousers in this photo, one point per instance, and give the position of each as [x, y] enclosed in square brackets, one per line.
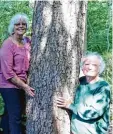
[14, 100]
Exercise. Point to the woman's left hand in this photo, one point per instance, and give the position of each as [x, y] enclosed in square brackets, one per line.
[29, 91]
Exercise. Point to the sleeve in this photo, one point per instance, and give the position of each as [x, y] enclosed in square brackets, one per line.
[7, 61]
[94, 106]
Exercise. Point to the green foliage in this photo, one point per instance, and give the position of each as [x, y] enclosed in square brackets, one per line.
[1, 105]
[99, 33]
[7, 10]
[98, 24]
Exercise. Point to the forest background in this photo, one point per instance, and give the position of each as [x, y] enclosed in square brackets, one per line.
[98, 36]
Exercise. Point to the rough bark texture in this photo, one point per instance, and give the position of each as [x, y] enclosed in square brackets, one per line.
[57, 43]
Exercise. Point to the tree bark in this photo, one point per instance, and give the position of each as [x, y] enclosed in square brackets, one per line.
[57, 47]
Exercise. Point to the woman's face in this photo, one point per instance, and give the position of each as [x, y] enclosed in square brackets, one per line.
[91, 66]
[20, 27]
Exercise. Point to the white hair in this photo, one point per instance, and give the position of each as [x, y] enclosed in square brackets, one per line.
[102, 63]
[15, 19]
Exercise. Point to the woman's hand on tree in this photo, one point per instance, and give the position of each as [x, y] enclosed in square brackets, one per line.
[63, 103]
[29, 90]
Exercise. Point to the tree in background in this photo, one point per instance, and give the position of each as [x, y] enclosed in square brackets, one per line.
[57, 43]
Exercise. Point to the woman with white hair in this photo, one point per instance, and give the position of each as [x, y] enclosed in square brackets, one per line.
[91, 105]
[14, 65]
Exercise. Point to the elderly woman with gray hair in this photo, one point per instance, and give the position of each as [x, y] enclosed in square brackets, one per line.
[91, 105]
[14, 65]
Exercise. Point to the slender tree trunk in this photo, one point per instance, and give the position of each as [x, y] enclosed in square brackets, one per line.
[31, 3]
[57, 46]
[108, 25]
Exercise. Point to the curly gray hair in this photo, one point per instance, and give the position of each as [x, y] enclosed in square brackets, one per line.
[15, 19]
[102, 63]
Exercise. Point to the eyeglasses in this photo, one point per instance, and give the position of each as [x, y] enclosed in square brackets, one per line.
[23, 24]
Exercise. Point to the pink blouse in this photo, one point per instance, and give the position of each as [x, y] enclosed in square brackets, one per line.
[14, 61]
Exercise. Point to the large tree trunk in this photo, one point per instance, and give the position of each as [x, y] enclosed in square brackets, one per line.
[57, 43]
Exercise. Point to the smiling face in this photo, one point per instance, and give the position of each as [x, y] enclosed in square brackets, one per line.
[20, 27]
[91, 66]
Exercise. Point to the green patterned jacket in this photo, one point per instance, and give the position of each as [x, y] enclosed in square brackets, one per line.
[91, 108]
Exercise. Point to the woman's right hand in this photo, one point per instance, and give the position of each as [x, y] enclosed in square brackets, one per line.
[63, 103]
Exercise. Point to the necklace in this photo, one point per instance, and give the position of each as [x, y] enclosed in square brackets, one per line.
[15, 41]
